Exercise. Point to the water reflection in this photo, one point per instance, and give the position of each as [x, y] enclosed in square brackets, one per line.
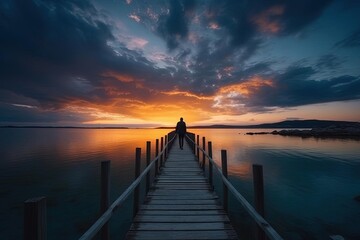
[64, 165]
[309, 183]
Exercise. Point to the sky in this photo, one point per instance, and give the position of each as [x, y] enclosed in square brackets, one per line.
[148, 63]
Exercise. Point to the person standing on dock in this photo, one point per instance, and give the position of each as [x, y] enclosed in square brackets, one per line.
[181, 130]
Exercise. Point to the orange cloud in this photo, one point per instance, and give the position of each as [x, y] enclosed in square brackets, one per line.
[232, 99]
[187, 94]
[146, 105]
[118, 76]
[246, 88]
[266, 20]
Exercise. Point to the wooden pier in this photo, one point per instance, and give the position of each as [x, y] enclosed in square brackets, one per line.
[181, 204]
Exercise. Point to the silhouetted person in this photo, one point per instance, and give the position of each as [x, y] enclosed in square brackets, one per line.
[181, 131]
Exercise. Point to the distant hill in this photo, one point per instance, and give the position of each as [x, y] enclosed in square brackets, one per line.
[288, 124]
[306, 124]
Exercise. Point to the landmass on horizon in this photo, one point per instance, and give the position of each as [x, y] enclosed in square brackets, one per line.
[309, 123]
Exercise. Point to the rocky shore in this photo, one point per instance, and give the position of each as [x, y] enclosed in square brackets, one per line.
[333, 131]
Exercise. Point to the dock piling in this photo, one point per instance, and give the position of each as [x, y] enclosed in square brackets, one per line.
[137, 174]
[161, 152]
[105, 196]
[203, 160]
[259, 196]
[148, 158]
[35, 226]
[197, 144]
[225, 173]
[157, 154]
[210, 165]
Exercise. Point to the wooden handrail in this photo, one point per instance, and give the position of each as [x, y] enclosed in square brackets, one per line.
[105, 217]
[262, 223]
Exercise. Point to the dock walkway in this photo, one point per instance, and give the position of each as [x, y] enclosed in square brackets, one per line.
[181, 204]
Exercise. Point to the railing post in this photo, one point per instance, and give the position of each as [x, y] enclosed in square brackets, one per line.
[259, 196]
[137, 174]
[157, 154]
[161, 154]
[210, 165]
[105, 196]
[197, 144]
[35, 219]
[225, 173]
[169, 138]
[148, 158]
[203, 160]
[166, 148]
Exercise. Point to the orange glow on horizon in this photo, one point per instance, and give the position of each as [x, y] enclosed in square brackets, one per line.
[164, 108]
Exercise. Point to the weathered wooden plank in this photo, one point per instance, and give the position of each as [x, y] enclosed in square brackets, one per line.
[180, 226]
[179, 197]
[179, 235]
[180, 207]
[183, 174]
[181, 212]
[174, 183]
[187, 177]
[182, 201]
[177, 181]
[178, 186]
[182, 219]
[184, 170]
[187, 193]
[181, 163]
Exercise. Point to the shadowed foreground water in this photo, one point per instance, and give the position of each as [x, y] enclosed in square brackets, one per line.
[310, 184]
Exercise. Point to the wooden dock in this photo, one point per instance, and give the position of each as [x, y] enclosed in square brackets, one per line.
[181, 204]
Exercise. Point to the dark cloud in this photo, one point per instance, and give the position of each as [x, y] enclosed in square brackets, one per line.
[329, 61]
[48, 46]
[173, 27]
[238, 39]
[239, 17]
[296, 87]
[28, 115]
[56, 52]
[299, 14]
[351, 41]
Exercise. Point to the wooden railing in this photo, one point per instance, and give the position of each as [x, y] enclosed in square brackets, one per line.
[35, 209]
[264, 228]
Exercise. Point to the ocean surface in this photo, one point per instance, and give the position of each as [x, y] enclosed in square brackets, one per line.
[310, 184]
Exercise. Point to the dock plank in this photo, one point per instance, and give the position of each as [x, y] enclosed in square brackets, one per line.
[180, 235]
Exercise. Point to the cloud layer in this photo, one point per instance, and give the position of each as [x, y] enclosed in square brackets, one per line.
[70, 61]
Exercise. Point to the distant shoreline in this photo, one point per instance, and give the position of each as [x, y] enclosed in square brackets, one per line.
[289, 124]
[351, 131]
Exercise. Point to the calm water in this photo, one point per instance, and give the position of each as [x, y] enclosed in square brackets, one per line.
[310, 184]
